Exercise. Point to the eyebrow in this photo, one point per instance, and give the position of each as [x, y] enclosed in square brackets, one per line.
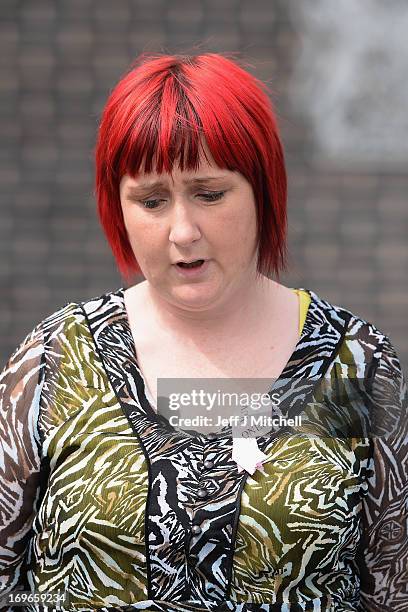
[156, 184]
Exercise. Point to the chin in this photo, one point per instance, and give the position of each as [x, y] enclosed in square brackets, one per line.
[194, 296]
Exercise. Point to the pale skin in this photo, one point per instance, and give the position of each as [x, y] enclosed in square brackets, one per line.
[226, 323]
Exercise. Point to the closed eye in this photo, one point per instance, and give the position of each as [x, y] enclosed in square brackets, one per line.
[151, 204]
[210, 196]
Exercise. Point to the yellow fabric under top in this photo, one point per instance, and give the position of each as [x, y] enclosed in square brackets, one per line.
[304, 301]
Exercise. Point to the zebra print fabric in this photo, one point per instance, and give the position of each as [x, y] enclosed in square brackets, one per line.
[102, 499]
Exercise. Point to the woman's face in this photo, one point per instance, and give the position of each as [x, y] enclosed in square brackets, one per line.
[206, 214]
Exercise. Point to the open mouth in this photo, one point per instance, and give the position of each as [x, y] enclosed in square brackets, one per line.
[193, 264]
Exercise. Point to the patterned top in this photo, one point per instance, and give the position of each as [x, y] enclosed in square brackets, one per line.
[102, 499]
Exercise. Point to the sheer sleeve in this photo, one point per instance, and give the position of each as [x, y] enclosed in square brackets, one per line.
[20, 390]
[383, 558]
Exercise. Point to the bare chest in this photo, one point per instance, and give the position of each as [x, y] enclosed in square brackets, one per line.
[264, 355]
[261, 353]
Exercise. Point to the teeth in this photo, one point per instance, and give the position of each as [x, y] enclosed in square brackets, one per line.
[193, 264]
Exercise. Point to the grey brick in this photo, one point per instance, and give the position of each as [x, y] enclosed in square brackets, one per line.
[9, 80]
[149, 10]
[75, 134]
[391, 253]
[396, 298]
[73, 82]
[75, 39]
[36, 156]
[9, 176]
[109, 65]
[183, 13]
[73, 105]
[254, 18]
[37, 57]
[36, 80]
[36, 249]
[148, 39]
[361, 230]
[41, 105]
[75, 11]
[67, 177]
[9, 40]
[214, 7]
[9, 9]
[118, 11]
[394, 208]
[39, 12]
[321, 206]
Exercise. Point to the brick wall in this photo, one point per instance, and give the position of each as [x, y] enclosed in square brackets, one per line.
[58, 61]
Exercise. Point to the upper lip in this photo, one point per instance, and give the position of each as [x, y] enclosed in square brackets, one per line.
[190, 260]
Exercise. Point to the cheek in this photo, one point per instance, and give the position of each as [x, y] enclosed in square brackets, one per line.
[246, 236]
[249, 228]
[144, 239]
[241, 229]
[136, 227]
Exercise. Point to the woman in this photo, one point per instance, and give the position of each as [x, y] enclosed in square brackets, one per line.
[102, 498]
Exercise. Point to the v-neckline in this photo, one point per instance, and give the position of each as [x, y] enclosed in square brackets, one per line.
[109, 324]
[308, 326]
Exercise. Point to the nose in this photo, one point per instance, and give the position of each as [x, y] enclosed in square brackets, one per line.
[183, 227]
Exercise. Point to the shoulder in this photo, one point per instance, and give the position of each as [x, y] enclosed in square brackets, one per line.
[58, 340]
[367, 353]
[75, 312]
[66, 321]
[359, 334]
[354, 323]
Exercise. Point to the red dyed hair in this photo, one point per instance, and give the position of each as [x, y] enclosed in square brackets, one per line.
[158, 113]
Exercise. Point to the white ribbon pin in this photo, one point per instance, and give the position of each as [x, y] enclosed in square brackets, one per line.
[247, 455]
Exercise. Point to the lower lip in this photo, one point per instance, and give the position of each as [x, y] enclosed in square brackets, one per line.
[193, 272]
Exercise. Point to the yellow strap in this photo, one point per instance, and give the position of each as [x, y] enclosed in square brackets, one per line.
[304, 301]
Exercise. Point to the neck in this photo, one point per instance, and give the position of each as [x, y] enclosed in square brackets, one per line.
[242, 313]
